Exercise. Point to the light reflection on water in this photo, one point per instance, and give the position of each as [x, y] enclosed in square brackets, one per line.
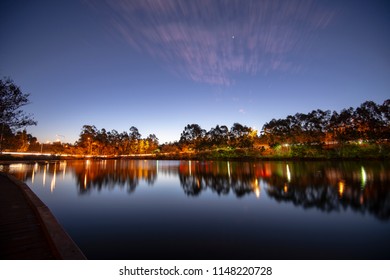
[129, 209]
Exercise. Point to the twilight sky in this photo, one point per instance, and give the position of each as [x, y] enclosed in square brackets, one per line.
[162, 64]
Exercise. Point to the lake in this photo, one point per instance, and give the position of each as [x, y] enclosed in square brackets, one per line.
[153, 209]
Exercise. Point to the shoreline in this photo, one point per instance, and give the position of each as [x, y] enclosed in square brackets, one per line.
[44, 159]
[364, 151]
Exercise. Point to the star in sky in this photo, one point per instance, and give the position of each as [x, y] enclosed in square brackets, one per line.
[159, 65]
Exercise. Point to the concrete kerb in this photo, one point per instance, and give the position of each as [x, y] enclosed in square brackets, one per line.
[62, 244]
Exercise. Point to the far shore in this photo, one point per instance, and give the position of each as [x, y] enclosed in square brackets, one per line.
[9, 159]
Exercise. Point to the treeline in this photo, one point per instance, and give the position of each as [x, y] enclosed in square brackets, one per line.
[195, 138]
[18, 141]
[93, 141]
[353, 132]
[369, 122]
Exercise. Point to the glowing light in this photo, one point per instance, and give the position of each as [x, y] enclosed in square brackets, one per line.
[288, 174]
[228, 168]
[85, 181]
[285, 189]
[16, 167]
[44, 176]
[53, 180]
[33, 176]
[341, 188]
[63, 165]
[35, 169]
[189, 164]
[256, 188]
[257, 192]
[364, 177]
[26, 153]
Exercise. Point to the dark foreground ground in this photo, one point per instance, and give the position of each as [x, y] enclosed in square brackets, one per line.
[28, 230]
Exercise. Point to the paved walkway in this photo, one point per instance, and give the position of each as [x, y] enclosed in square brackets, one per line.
[28, 230]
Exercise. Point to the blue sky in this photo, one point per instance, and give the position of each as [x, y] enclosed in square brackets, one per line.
[160, 65]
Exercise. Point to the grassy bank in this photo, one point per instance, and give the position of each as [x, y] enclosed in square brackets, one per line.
[293, 152]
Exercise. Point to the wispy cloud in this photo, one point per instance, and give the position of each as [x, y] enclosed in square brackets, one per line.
[211, 41]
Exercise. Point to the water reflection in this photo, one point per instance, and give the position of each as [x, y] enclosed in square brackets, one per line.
[328, 186]
[336, 186]
[220, 177]
[110, 174]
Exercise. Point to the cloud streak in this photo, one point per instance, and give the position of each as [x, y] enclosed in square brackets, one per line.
[212, 41]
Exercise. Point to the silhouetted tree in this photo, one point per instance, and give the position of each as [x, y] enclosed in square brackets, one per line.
[218, 136]
[241, 136]
[87, 138]
[152, 141]
[134, 138]
[192, 136]
[277, 131]
[12, 99]
[385, 111]
[368, 120]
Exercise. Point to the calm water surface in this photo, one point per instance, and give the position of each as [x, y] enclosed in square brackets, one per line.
[147, 209]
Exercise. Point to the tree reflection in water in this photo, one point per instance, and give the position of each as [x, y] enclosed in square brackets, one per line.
[114, 173]
[325, 185]
[220, 177]
[331, 186]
